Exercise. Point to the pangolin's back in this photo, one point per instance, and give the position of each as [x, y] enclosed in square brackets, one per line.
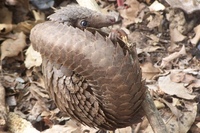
[93, 80]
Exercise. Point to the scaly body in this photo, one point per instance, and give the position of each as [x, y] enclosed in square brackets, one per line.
[93, 80]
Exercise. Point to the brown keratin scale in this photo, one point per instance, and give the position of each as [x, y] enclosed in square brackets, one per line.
[90, 78]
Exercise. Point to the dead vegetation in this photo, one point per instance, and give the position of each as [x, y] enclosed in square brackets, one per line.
[166, 34]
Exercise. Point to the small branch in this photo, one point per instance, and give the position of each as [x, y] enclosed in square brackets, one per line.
[153, 115]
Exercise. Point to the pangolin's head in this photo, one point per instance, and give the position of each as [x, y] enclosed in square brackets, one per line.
[81, 17]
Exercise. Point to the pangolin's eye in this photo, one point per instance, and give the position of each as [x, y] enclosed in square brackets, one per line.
[84, 23]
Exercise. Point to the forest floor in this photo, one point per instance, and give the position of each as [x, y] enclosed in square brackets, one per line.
[166, 35]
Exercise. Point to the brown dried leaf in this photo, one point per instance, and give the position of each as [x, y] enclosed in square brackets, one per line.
[12, 47]
[149, 71]
[195, 83]
[129, 14]
[124, 130]
[177, 77]
[5, 21]
[173, 88]
[196, 38]
[39, 93]
[19, 125]
[139, 39]
[60, 129]
[151, 48]
[182, 77]
[156, 6]
[198, 125]
[33, 58]
[158, 104]
[154, 38]
[155, 21]
[39, 16]
[175, 35]
[70, 127]
[5, 15]
[188, 6]
[91, 4]
[168, 59]
[183, 123]
[187, 77]
[25, 26]
[36, 110]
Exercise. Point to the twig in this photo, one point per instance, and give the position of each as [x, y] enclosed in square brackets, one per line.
[153, 115]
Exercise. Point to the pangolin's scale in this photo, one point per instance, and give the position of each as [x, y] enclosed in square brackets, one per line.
[89, 77]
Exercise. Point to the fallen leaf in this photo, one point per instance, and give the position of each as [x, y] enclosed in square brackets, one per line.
[188, 6]
[33, 58]
[165, 61]
[196, 38]
[198, 124]
[177, 77]
[39, 16]
[6, 15]
[149, 71]
[5, 21]
[180, 76]
[154, 37]
[24, 27]
[175, 35]
[156, 6]
[152, 87]
[19, 125]
[60, 129]
[179, 123]
[156, 21]
[159, 104]
[124, 130]
[187, 76]
[184, 122]
[172, 88]
[70, 127]
[151, 48]
[195, 83]
[12, 47]
[174, 110]
[130, 14]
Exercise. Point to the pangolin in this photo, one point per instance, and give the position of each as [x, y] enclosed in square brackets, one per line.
[89, 77]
